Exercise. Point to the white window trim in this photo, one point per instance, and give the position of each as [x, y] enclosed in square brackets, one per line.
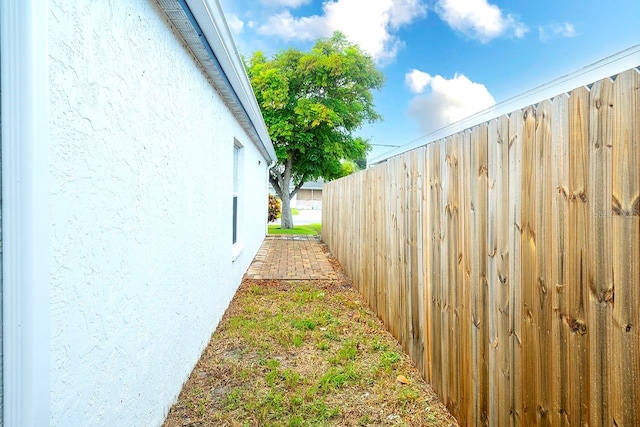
[238, 246]
[25, 212]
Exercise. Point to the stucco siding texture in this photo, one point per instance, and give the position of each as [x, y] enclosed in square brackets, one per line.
[141, 157]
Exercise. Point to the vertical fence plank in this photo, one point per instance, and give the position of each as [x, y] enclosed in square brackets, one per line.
[577, 286]
[436, 302]
[415, 236]
[467, 327]
[443, 287]
[445, 280]
[474, 279]
[600, 280]
[493, 204]
[380, 260]
[515, 266]
[544, 286]
[478, 192]
[453, 283]
[498, 280]
[559, 262]
[427, 221]
[625, 220]
[531, 375]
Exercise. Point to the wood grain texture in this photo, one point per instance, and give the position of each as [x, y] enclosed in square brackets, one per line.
[506, 259]
[625, 222]
[600, 300]
[578, 257]
[559, 261]
[516, 124]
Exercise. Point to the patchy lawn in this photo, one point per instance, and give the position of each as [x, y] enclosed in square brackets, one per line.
[309, 229]
[304, 354]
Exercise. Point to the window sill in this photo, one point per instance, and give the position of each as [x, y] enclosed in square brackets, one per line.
[236, 250]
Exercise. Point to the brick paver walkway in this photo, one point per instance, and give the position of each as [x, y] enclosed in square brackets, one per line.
[291, 258]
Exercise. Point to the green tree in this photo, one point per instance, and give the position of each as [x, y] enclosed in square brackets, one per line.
[312, 103]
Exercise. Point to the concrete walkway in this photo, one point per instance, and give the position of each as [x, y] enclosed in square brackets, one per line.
[291, 258]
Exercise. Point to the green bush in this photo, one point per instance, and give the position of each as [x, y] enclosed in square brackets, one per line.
[274, 208]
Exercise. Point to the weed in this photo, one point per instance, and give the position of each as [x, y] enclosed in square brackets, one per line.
[336, 377]
[377, 345]
[347, 352]
[323, 412]
[408, 395]
[291, 378]
[388, 359]
[297, 340]
[232, 399]
[256, 290]
[304, 295]
[304, 324]
[296, 421]
[272, 364]
[284, 337]
[323, 346]
[331, 335]
[271, 378]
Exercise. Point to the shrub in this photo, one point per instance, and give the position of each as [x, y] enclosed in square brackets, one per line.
[274, 208]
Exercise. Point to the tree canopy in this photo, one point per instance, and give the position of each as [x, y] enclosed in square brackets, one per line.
[312, 103]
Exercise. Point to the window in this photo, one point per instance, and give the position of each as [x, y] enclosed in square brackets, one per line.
[236, 175]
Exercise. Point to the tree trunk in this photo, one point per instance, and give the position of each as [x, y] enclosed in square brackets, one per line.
[286, 218]
[281, 182]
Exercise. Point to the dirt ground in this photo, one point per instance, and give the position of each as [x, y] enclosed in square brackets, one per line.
[304, 353]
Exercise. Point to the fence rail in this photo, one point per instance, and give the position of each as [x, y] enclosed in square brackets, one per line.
[506, 259]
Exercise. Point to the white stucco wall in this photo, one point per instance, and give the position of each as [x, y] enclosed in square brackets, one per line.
[141, 161]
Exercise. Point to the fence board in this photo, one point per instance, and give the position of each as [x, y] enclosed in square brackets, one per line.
[467, 396]
[559, 262]
[478, 193]
[498, 235]
[577, 286]
[506, 259]
[625, 219]
[600, 308]
[531, 386]
[544, 241]
[515, 265]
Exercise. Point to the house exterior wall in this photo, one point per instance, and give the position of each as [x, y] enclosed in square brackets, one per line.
[141, 156]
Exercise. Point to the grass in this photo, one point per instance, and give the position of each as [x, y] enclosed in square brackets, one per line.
[310, 229]
[304, 354]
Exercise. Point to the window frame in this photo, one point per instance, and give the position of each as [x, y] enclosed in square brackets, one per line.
[236, 204]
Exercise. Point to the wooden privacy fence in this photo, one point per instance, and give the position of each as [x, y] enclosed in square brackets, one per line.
[506, 259]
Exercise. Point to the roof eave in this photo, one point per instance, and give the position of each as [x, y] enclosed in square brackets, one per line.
[202, 26]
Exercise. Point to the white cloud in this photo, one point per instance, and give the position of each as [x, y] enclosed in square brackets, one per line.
[371, 26]
[417, 80]
[547, 32]
[479, 19]
[443, 101]
[285, 25]
[286, 3]
[235, 24]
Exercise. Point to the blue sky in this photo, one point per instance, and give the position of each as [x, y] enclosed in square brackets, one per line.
[445, 59]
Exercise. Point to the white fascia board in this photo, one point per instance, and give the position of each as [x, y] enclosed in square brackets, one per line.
[210, 18]
[608, 67]
[25, 212]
